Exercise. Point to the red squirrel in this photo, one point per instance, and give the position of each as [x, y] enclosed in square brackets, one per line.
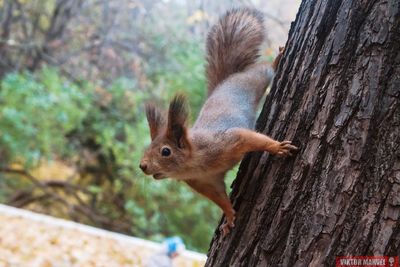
[223, 132]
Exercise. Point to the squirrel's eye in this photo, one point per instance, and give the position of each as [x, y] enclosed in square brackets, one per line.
[165, 152]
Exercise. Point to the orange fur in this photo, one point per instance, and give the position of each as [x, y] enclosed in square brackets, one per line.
[233, 44]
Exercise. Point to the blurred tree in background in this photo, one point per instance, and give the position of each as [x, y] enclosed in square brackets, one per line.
[74, 77]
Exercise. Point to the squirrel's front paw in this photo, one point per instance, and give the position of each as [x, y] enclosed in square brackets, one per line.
[228, 225]
[226, 228]
[281, 50]
[284, 149]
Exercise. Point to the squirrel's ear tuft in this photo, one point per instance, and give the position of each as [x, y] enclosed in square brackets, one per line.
[177, 119]
[155, 119]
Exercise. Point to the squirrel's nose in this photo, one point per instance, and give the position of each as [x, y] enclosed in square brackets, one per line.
[143, 166]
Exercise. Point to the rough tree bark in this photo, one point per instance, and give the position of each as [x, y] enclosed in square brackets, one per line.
[336, 95]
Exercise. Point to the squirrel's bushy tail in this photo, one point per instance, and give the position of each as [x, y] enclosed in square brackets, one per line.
[233, 44]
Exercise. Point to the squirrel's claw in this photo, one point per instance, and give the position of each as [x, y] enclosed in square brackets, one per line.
[226, 228]
[228, 225]
[286, 148]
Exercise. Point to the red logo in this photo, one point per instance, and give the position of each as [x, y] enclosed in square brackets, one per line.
[367, 261]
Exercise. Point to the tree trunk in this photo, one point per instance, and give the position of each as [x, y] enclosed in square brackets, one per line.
[336, 95]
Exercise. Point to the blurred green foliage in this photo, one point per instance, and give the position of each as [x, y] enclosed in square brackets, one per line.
[36, 112]
[43, 116]
[92, 68]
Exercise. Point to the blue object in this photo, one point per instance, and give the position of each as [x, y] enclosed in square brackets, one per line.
[174, 244]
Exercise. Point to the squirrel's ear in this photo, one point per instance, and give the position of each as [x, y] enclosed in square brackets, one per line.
[177, 119]
[155, 119]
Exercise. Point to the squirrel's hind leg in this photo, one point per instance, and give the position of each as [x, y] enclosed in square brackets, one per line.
[263, 73]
